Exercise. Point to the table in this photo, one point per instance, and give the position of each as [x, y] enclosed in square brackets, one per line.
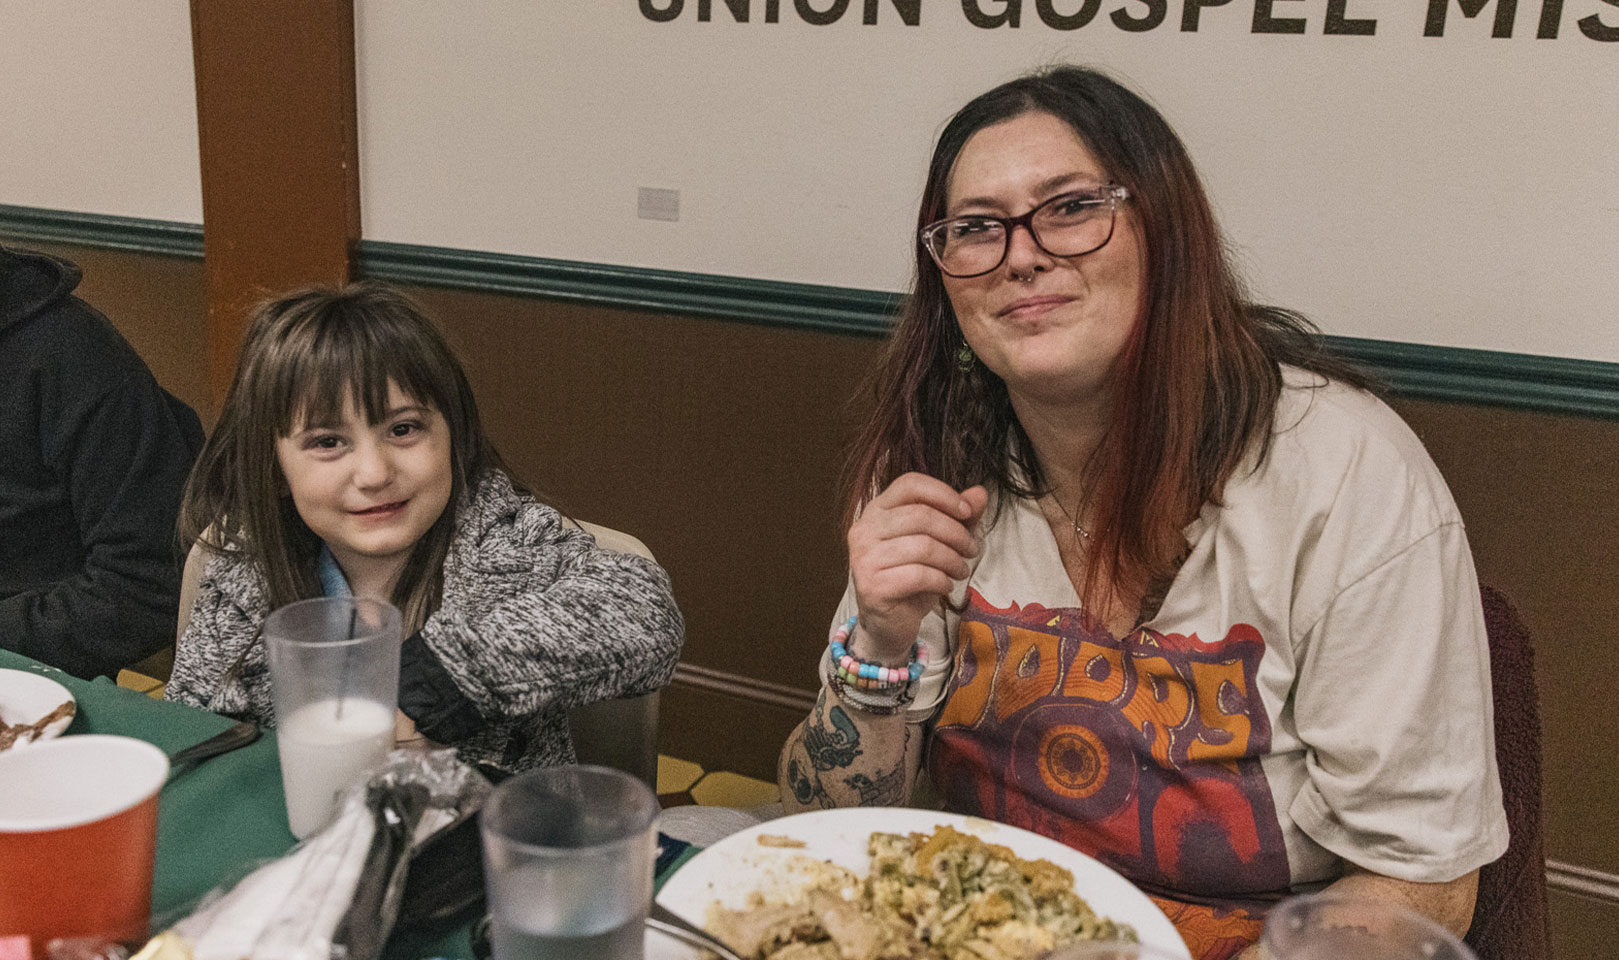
[214, 822]
[228, 814]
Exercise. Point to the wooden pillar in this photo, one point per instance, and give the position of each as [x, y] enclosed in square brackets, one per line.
[276, 128]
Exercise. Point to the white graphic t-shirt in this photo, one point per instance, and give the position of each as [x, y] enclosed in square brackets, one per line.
[1313, 689]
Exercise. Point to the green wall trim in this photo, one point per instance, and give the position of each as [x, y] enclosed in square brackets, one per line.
[773, 302]
[1587, 388]
[1523, 381]
[100, 230]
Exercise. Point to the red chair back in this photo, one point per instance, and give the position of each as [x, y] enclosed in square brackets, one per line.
[1510, 918]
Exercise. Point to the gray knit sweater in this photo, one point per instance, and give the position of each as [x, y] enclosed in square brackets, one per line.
[535, 619]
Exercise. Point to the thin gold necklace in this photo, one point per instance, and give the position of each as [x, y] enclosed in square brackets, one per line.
[1083, 533]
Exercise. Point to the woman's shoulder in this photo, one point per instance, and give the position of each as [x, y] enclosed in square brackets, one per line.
[1331, 439]
[1331, 417]
[1318, 406]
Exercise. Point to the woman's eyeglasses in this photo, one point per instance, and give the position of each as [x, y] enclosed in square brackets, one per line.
[1064, 226]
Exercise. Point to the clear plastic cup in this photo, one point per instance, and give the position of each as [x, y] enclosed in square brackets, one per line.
[568, 859]
[334, 672]
[1331, 927]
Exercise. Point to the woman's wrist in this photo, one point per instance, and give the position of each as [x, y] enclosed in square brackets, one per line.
[872, 674]
[878, 703]
[871, 686]
[863, 646]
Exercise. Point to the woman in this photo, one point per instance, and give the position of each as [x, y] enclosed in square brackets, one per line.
[350, 460]
[1177, 590]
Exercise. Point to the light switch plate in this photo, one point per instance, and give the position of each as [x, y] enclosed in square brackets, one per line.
[656, 203]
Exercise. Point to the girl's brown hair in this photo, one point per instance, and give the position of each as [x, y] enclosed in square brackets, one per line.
[1193, 391]
[304, 355]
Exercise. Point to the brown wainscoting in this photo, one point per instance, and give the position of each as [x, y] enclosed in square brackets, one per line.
[1584, 881]
[156, 301]
[1583, 927]
[725, 721]
[718, 444]
[1538, 494]
[795, 699]
[1539, 497]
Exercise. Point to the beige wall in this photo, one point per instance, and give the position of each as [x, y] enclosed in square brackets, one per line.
[99, 108]
[1394, 186]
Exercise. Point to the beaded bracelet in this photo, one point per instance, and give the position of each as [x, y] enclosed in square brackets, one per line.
[878, 694]
[867, 675]
[882, 703]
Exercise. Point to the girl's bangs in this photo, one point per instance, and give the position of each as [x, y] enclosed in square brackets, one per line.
[335, 360]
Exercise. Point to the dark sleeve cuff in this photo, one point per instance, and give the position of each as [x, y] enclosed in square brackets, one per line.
[429, 697]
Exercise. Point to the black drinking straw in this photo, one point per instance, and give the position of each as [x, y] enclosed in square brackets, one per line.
[343, 675]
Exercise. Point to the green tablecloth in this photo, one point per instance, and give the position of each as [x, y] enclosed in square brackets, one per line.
[227, 815]
[213, 823]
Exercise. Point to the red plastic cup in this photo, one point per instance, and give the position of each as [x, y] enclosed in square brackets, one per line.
[78, 839]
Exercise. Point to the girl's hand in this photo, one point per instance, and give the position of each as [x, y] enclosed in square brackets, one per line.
[906, 550]
[405, 734]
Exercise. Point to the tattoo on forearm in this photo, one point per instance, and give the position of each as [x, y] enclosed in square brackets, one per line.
[886, 789]
[803, 771]
[803, 789]
[832, 739]
[827, 765]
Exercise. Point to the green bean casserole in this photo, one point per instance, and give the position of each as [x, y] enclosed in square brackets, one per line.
[941, 896]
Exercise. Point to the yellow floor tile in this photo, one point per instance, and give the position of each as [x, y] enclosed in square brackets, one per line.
[139, 682]
[725, 789]
[675, 776]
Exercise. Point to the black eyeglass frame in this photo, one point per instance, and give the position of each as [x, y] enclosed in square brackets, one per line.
[1110, 193]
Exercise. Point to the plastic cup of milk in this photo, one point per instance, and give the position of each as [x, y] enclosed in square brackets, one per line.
[334, 673]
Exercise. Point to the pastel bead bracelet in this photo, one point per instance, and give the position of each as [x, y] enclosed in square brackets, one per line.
[867, 675]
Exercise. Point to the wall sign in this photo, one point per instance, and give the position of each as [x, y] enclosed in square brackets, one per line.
[1139, 16]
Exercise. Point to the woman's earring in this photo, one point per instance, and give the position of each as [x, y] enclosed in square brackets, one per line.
[965, 357]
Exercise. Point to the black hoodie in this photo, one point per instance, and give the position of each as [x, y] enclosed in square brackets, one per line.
[93, 456]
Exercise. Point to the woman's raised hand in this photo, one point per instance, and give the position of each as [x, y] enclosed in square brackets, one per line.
[906, 550]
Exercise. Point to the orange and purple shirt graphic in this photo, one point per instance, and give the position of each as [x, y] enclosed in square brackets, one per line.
[1142, 751]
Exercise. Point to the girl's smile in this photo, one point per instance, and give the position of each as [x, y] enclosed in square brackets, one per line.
[370, 490]
[385, 511]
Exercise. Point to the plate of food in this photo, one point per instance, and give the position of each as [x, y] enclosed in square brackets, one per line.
[32, 707]
[891, 882]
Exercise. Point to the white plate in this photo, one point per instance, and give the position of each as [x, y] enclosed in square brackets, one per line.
[25, 697]
[729, 870]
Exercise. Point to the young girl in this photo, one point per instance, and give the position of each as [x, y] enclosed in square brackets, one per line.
[349, 458]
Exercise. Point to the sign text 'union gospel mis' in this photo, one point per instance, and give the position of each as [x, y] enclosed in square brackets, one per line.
[1326, 17]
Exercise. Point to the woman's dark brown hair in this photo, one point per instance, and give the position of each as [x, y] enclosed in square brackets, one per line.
[1193, 391]
[304, 355]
